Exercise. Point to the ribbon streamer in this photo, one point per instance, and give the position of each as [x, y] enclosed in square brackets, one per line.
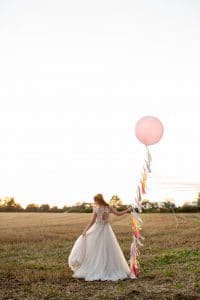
[136, 220]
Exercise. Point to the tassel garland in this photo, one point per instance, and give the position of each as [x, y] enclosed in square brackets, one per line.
[136, 220]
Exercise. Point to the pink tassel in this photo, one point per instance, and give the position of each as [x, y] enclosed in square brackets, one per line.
[143, 187]
[135, 271]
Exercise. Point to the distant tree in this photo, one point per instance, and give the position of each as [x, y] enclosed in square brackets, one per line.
[44, 208]
[9, 204]
[169, 204]
[88, 207]
[198, 200]
[188, 207]
[87, 204]
[154, 205]
[146, 204]
[149, 206]
[56, 209]
[65, 208]
[84, 207]
[32, 207]
[115, 201]
[186, 203]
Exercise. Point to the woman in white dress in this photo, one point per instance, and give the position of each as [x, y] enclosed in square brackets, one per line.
[96, 254]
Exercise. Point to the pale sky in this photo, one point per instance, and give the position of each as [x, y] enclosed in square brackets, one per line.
[75, 77]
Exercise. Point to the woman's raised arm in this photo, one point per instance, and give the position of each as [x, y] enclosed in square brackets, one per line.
[120, 213]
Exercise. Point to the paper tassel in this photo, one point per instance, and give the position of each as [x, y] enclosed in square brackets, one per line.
[139, 194]
[143, 187]
[149, 155]
[148, 166]
[138, 241]
[136, 220]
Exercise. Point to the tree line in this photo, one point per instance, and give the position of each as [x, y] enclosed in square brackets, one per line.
[8, 204]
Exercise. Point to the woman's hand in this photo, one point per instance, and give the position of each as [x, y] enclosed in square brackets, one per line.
[84, 232]
[129, 209]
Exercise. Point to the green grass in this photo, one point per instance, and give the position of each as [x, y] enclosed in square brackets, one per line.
[176, 256]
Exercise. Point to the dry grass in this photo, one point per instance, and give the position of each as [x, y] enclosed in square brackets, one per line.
[34, 248]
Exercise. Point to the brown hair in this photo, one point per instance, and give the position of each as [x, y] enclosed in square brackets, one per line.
[100, 200]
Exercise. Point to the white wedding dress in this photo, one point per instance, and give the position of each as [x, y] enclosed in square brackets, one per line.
[97, 255]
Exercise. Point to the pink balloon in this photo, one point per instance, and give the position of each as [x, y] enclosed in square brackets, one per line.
[149, 130]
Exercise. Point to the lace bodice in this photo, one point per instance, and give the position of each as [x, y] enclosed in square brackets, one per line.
[102, 214]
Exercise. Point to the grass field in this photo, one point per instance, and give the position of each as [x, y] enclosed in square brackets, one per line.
[34, 248]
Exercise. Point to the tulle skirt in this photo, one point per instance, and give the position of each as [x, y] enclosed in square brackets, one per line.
[98, 256]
